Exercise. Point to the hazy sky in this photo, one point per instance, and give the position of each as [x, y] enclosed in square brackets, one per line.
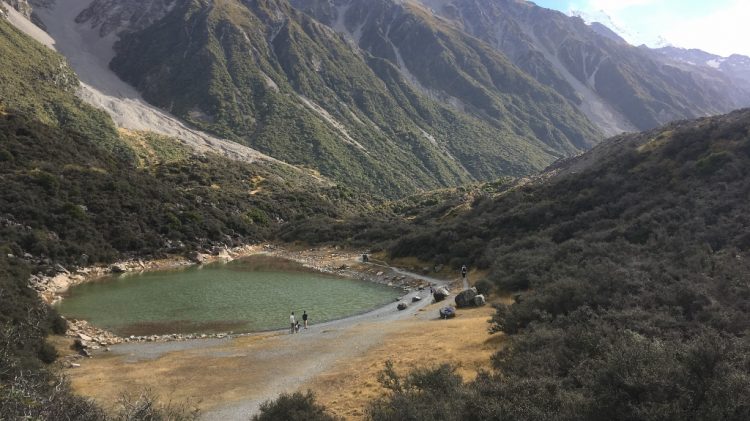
[717, 26]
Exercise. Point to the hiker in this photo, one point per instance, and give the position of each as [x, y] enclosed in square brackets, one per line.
[304, 318]
[463, 272]
[296, 327]
[292, 323]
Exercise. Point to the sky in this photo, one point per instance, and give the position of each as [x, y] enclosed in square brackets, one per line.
[718, 26]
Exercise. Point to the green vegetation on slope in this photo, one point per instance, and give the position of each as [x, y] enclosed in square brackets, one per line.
[73, 185]
[264, 74]
[630, 272]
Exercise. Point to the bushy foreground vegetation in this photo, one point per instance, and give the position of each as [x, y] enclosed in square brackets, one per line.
[630, 270]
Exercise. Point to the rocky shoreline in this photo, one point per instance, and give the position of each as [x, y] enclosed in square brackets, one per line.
[89, 338]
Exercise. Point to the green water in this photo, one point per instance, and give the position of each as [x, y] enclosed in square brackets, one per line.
[252, 294]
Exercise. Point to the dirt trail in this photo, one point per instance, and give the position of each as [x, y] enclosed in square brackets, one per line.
[230, 378]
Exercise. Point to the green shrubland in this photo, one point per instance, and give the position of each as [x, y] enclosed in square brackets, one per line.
[629, 267]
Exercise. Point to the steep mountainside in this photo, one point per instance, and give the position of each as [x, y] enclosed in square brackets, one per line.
[618, 86]
[264, 74]
[446, 64]
[74, 185]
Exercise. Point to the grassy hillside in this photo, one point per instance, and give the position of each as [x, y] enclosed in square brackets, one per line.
[629, 267]
[266, 75]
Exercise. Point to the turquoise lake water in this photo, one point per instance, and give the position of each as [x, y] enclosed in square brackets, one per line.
[252, 294]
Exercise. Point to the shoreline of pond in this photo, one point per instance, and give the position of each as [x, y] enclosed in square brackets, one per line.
[325, 260]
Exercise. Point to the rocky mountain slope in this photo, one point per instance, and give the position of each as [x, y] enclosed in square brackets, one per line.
[619, 87]
[736, 66]
[263, 74]
[75, 185]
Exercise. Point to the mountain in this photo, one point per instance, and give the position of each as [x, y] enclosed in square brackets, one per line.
[78, 190]
[604, 31]
[619, 87]
[263, 74]
[736, 66]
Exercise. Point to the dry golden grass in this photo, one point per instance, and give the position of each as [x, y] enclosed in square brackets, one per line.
[348, 387]
[213, 376]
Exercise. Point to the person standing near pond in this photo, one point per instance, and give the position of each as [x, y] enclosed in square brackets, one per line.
[292, 323]
[464, 271]
[304, 318]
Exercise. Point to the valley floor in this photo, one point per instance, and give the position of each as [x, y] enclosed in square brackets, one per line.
[339, 361]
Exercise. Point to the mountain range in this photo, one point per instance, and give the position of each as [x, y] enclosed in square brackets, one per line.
[139, 129]
[389, 96]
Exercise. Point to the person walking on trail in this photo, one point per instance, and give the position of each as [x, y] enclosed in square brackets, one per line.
[464, 271]
[304, 318]
[292, 323]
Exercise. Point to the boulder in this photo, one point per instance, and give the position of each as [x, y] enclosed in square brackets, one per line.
[447, 312]
[466, 298]
[117, 269]
[479, 300]
[416, 298]
[402, 305]
[440, 294]
[85, 337]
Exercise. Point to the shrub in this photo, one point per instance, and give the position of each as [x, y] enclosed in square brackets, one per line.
[296, 406]
[484, 287]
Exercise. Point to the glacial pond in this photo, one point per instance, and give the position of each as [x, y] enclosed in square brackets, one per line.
[251, 294]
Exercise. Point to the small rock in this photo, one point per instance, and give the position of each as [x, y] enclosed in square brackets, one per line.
[440, 294]
[416, 298]
[117, 269]
[402, 305]
[84, 337]
[447, 312]
[74, 365]
[379, 274]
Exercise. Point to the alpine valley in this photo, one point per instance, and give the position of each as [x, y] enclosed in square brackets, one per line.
[596, 190]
